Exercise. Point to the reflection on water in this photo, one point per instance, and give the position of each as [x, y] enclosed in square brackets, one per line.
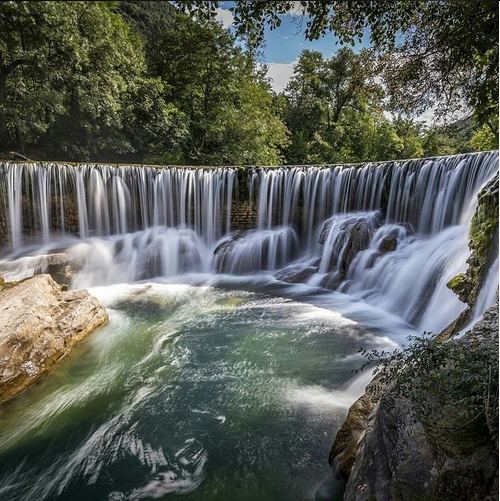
[209, 392]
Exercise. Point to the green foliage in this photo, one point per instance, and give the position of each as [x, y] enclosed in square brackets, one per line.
[442, 54]
[335, 113]
[222, 94]
[453, 386]
[485, 138]
[64, 72]
[85, 80]
[142, 81]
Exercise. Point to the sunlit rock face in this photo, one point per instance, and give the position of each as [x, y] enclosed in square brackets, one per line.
[40, 321]
[385, 451]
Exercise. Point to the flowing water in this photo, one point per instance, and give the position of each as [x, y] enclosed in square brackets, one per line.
[214, 378]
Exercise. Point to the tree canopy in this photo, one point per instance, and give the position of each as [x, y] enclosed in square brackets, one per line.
[164, 82]
[435, 54]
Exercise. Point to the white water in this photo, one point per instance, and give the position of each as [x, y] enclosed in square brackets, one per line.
[137, 223]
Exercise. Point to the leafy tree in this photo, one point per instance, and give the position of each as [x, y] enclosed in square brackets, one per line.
[485, 138]
[222, 104]
[335, 112]
[65, 68]
[442, 54]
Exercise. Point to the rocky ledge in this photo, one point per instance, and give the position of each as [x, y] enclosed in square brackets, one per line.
[438, 439]
[388, 450]
[40, 322]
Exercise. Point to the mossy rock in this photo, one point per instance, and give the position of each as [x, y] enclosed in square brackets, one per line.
[460, 286]
[483, 237]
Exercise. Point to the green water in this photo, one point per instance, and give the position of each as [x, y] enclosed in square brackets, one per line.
[192, 392]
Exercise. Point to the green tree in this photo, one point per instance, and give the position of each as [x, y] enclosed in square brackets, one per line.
[222, 107]
[335, 112]
[65, 68]
[442, 54]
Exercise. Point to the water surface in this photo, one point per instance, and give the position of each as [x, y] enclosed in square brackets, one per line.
[210, 392]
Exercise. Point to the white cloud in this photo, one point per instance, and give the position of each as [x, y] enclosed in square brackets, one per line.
[427, 116]
[280, 74]
[225, 17]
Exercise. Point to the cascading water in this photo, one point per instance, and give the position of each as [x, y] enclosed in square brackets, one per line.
[216, 379]
[140, 222]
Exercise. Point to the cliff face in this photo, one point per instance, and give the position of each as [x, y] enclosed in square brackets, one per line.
[40, 322]
[439, 439]
[483, 245]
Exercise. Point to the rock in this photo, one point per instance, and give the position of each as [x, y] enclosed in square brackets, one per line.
[228, 244]
[387, 453]
[325, 231]
[394, 461]
[224, 249]
[345, 236]
[40, 323]
[332, 280]
[343, 452]
[60, 265]
[294, 275]
[460, 286]
[388, 244]
[483, 245]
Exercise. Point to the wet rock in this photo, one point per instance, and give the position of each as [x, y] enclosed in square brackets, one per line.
[483, 244]
[60, 265]
[41, 321]
[228, 244]
[460, 286]
[346, 236]
[388, 244]
[359, 240]
[294, 275]
[332, 280]
[325, 231]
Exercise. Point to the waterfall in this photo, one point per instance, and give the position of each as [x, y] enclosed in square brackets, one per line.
[391, 233]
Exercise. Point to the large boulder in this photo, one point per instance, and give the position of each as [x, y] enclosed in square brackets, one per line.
[344, 237]
[41, 321]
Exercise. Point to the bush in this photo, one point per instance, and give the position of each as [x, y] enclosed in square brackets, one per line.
[453, 386]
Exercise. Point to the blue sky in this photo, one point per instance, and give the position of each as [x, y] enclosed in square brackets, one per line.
[284, 44]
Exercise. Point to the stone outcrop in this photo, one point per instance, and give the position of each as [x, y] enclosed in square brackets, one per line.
[385, 451]
[343, 452]
[40, 322]
[483, 245]
[351, 236]
[60, 266]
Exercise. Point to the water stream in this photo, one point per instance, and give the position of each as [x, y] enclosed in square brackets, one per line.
[215, 378]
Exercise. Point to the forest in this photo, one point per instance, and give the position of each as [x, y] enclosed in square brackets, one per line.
[165, 83]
